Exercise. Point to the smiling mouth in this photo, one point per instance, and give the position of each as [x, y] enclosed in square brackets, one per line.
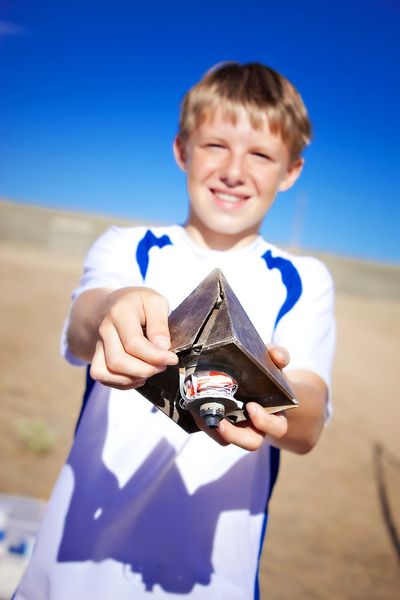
[229, 198]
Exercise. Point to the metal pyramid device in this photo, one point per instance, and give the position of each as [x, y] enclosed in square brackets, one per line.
[223, 362]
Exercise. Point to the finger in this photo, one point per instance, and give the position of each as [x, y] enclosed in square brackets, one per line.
[129, 325]
[140, 347]
[245, 436]
[274, 425]
[100, 372]
[125, 387]
[132, 342]
[118, 361]
[279, 355]
[156, 311]
[212, 433]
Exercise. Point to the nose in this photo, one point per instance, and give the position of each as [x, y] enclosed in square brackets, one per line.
[232, 171]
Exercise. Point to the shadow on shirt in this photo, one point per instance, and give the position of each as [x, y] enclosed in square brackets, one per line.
[153, 525]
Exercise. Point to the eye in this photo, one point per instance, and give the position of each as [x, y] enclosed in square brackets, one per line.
[214, 145]
[262, 155]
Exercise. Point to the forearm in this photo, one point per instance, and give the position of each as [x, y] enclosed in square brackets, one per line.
[86, 316]
[305, 423]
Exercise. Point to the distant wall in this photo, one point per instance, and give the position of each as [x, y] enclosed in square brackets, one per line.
[363, 278]
[53, 230]
[71, 234]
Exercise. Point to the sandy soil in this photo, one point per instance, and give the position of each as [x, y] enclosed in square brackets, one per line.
[327, 537]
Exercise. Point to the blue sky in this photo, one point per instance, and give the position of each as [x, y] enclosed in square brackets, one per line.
[90, 93]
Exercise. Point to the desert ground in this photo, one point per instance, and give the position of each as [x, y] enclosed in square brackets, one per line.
[335, 515]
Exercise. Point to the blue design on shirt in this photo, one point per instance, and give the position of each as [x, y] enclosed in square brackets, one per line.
[290, 279]
[274, 461]
[90, 382]
[133, 527]
[145, 245]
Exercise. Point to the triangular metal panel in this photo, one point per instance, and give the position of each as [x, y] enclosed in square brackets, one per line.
[188, 318]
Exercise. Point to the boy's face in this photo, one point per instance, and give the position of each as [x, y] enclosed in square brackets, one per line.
[234, 172]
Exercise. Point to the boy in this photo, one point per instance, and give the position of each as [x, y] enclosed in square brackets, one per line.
[143, 509]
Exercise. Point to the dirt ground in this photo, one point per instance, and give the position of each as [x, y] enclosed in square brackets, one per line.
[335, 514]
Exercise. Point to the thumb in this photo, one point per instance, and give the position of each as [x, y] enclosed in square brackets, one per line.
[279, 355]
[156, 311]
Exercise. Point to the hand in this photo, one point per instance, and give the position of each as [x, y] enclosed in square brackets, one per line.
[261, 425]
[133, 338]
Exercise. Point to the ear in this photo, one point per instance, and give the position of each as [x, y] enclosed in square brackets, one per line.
[292, 174]
[180, 153]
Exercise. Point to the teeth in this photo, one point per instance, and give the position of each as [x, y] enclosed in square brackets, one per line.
[227, 197]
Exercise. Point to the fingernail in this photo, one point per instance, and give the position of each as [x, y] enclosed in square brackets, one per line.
[172, 359]
[252, 409]
[285, 356]
[281, 357]
[162, 341]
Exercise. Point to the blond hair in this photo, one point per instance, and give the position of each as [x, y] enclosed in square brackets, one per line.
[260, 90]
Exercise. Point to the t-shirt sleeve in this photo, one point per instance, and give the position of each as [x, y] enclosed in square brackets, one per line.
[308, 329]
[110, 263]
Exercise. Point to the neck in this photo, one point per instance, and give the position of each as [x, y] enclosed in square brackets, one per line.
[213, 240]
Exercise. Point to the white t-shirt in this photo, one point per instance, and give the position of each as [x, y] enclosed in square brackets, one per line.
[141, 508]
